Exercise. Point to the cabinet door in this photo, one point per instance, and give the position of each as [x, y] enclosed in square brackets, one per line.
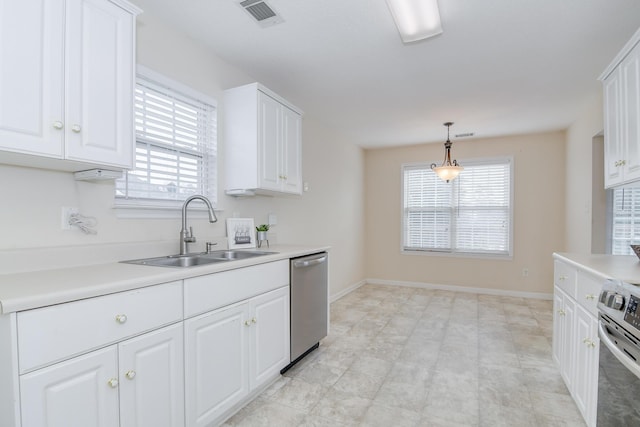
[630, 99]
[269, 130]
[292, 151]
[215, 363]
[613, 144]
[31, 76]
[558, 325]
[99, 83]
[152, 379]
[563, 334]
[585, 386]
[81, 392]
[270, 336]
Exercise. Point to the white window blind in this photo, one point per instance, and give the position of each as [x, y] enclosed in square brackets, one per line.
[175, 146]
[625, 221]
[471, 214]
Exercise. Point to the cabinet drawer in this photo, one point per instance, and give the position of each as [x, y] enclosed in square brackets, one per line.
[589, 288]
[565, 277]
[53, 333]
[216, 290]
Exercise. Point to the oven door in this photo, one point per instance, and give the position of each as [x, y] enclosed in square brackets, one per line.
[619, 377]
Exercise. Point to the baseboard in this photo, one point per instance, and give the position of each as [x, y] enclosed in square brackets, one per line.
[346, 291]
[455, 288]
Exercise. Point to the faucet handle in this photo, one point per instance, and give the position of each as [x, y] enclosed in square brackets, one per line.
[210, 246]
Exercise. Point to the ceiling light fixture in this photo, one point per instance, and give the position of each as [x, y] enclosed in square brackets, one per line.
[449, 170]
[416, 19]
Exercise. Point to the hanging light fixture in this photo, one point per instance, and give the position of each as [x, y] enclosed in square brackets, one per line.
[449, 170]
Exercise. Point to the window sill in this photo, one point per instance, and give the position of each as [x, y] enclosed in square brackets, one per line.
[128, 209]
[478, 255]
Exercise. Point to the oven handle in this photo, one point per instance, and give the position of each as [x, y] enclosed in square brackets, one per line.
[619, 354]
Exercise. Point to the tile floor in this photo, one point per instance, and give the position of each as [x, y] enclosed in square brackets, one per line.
[399, 356]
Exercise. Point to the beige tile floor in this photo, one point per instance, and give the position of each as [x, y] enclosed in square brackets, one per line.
[399, 356]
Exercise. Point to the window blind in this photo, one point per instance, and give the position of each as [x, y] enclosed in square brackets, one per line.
[471, 214]
[625, 224]
[176, 149]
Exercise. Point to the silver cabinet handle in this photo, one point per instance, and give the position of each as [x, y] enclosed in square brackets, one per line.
[58, 125]
[121, 318]
[76, 128]
[113, 383]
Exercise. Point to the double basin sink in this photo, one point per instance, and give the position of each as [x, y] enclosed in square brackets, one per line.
[192, 260]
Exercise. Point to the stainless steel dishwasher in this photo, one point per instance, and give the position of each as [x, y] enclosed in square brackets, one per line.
[309, 304]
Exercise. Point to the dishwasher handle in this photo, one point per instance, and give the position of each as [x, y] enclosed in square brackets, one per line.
[309, 262]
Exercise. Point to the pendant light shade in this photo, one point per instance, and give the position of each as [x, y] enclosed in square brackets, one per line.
[448, 170]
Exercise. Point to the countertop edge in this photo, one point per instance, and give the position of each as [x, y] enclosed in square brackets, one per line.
[620, 267]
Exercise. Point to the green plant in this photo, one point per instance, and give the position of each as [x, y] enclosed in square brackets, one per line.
[263, 227]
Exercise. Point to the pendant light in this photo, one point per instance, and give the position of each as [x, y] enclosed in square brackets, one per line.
[449, 170]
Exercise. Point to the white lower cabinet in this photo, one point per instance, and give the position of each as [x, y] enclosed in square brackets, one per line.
[269, 335]
[216, 370]
[231, 352]
[138, 382]
[191, 352]
[563, 334]
[585, 390]
[575, 335]
[73, 393]
[151, 377]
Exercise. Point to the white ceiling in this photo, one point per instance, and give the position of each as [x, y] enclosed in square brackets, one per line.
[500, 67]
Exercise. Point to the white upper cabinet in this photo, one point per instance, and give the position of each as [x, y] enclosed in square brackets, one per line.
[621, 86]
[263, 142]
[67, 86]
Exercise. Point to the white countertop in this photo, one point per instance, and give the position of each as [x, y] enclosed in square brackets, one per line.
[24, 291]
[621, 267]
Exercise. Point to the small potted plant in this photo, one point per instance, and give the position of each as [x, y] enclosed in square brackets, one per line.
[262, 234]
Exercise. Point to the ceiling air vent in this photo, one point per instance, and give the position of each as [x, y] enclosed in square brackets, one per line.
[264, 14]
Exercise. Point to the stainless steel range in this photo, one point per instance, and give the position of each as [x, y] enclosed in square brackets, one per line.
[619, 366]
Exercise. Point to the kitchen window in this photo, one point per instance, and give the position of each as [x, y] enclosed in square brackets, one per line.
[624, 217]
[471, 215]
[176, 150]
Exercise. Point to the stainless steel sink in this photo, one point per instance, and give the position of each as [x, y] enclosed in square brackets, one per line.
[192, 260]
[175, 261]
[235, 255]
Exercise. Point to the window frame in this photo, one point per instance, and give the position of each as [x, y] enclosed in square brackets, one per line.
[633, 216]
[157, 208]
[453, 252]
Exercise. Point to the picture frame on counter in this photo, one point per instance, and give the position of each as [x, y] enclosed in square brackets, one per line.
[241, 233]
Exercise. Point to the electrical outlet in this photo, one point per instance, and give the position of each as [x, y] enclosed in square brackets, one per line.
[64, 218]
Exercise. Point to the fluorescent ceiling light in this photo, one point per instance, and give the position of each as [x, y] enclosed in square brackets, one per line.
[416, 19]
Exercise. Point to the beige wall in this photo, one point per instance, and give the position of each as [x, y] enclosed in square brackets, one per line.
[330, 213]
[538, 215]
[580, 180]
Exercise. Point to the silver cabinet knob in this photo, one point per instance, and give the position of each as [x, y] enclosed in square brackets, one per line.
[247, 323]
[113, 383]
[58, 125]
[76, 128]
[121, 318]
[590, 296]
[130, 375]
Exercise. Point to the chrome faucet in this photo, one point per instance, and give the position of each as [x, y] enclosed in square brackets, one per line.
[187, 236]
